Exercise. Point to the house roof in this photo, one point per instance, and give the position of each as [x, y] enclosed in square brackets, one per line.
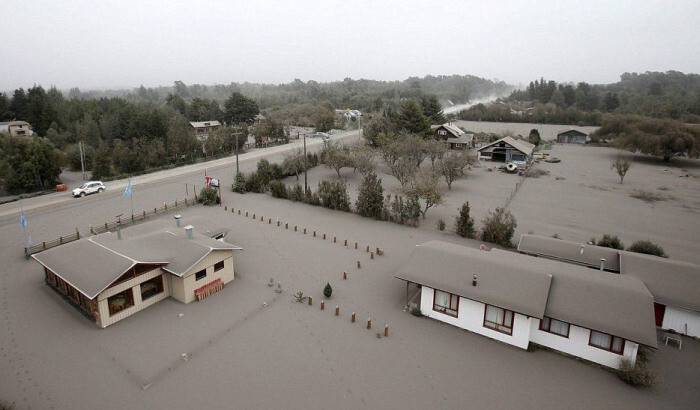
[259, 117]
[204, 124]
[671, 282]
[537, 287]
[571, 129]
[462, 139]
[450, 268]
[92, 264]
[521, 145]
[569, 251]
[452, 129]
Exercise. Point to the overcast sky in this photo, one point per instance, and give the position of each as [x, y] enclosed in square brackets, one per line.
[125, 43]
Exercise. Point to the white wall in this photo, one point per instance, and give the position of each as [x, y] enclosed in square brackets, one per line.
[189, 282]
[471, 317]
[577, 345]
[135, 284]
[682, 321]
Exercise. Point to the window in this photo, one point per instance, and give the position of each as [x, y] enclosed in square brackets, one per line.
[120, 301]
[218, 266]
[442, 132]
[498, 319]
[446, 303]
[607, 342]
[201, 274]
[554, 326]
[518, 157]
[152, 287]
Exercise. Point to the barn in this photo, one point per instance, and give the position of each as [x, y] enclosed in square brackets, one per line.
[572, 136]
[507, 149]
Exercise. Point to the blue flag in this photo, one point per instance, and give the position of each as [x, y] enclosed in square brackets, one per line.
[22, 220]
[127, 191]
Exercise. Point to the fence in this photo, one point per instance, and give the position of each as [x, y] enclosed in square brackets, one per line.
[514, 191]
[31, 250]
[130, 220]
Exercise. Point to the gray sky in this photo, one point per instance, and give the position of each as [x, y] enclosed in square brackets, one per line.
[125, 43]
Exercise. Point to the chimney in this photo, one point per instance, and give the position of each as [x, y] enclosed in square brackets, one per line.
[474, 281]
[177, 220]
[119, 231]
[602, 264]
[188, 231]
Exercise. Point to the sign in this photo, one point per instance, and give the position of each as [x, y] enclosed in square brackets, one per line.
[213, 182]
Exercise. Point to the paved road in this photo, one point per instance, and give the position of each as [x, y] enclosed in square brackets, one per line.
[171, 184]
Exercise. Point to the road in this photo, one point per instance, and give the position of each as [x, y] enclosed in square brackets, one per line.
[171, 184]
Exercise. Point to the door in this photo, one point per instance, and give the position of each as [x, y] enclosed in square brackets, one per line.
[659, 311]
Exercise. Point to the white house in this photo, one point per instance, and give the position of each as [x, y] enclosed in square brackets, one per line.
[517, 299]
[111, 276]
[673, 284]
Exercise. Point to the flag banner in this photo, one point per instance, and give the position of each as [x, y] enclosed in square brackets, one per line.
[22, 220]
[127, 191]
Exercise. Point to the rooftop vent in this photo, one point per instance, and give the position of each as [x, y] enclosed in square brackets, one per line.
[177, 220]
[188, 231]
[474, 281]
[602, 264]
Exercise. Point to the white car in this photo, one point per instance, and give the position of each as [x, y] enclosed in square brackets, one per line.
[321, 135]
[88, 188]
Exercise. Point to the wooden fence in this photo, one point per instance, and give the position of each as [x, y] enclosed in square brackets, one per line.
[30, 250]
[133, 218]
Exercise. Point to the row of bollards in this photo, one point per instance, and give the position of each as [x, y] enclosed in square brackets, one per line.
[352, 316]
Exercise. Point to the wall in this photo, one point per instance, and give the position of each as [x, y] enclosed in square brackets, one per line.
[577, 345]
[106, 319]
[682, 321]
[188, 282]
[471, 317]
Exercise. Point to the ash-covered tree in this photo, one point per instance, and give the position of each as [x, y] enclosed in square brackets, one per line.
[499, 227]
[412, 119]
[648, 247]
[464, 223]
[208, 196]
[362, 158]
[622, 165]
[370, 198]
[239, 183]
[426, 186]
[534, 137]
[182, 145]
[240, 109]
[325, 119]
[377, 130]
[293, 162]
[610, 241]
[102, 162]
[432, 109]
[453, 167]
[334, 195]
[336, 157]
[435, 150]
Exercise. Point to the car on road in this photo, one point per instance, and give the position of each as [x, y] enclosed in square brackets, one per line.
[90, 187]
[321, 135]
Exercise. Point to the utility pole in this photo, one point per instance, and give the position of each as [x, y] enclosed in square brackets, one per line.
[82, 159]
[305, 178]
[236, 134]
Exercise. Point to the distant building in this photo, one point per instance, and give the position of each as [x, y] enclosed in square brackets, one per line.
[16, 128]
[203, 128]
[572, 136]
[259, 119]
[111, 276]
[507, 149]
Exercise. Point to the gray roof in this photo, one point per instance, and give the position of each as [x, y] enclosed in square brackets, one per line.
[571, 129]
[452, 129]
[606, 302]
[449, 267]
[671, 282]
[569, 251]
[521, 145]
[92, 264]
[203, 124]
[462, 139]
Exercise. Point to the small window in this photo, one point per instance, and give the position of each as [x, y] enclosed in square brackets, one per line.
[500, 320]
[152, 287]
[218, 266]
[120, 301]
[446, 303]
[554, 326]
[201, 274]
[442, 132]
[607, 342]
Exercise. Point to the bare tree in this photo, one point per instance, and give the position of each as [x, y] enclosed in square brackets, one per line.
[435, 150]
[426, 186]
[622, 165]
[362, 158]
[336, 157]
[293, 162]
[453, 167]
[403, 170]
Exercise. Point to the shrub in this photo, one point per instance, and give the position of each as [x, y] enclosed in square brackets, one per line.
[296, 193]
[441, 224]
[370, 199]
[239, 183]
[208, 196]
[403, 212]
[637, 375]
[648, 248]
[311, 198]
[611, 241]
[265, 173]
[312, 160]
[328, 290]
[464, 223]
[416, 312]
[278, 189]
[334, 195]
[254, 183]
[499, 227]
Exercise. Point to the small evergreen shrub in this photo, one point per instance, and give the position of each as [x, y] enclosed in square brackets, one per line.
[254, 183]
[334, 195]
[370, 198]
[499, 227]
[295, 193]
[208, 196]
[649, 248]
[328, 290]
[638, 375]
[278, 189]
[441, 224]
[464, 223]
[416, 312]
[239, 183]
[611, 241]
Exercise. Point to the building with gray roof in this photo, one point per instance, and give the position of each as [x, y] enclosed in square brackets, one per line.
[518, 299]
[507, 149]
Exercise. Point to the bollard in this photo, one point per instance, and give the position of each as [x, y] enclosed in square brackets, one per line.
[286, 225]
[314, 233]
[369, 323]
[144, 214]
[378, 252]
[345, 275]
[269, 221]
[295, 228]
[225, 208]
[386, 330]
[278, 223]
[239, 212]
[371, 255]
[334, 239]
[232, 211]
[304, 231]
[246, 214]
[324, 236]
[323, 304]
[261, 219]
[367, 248]
[155, 210]
[352, 318]
[345, 243]
[337, 310]
[355, 245]
[358, 265]
[254, 216]
[311, 301]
